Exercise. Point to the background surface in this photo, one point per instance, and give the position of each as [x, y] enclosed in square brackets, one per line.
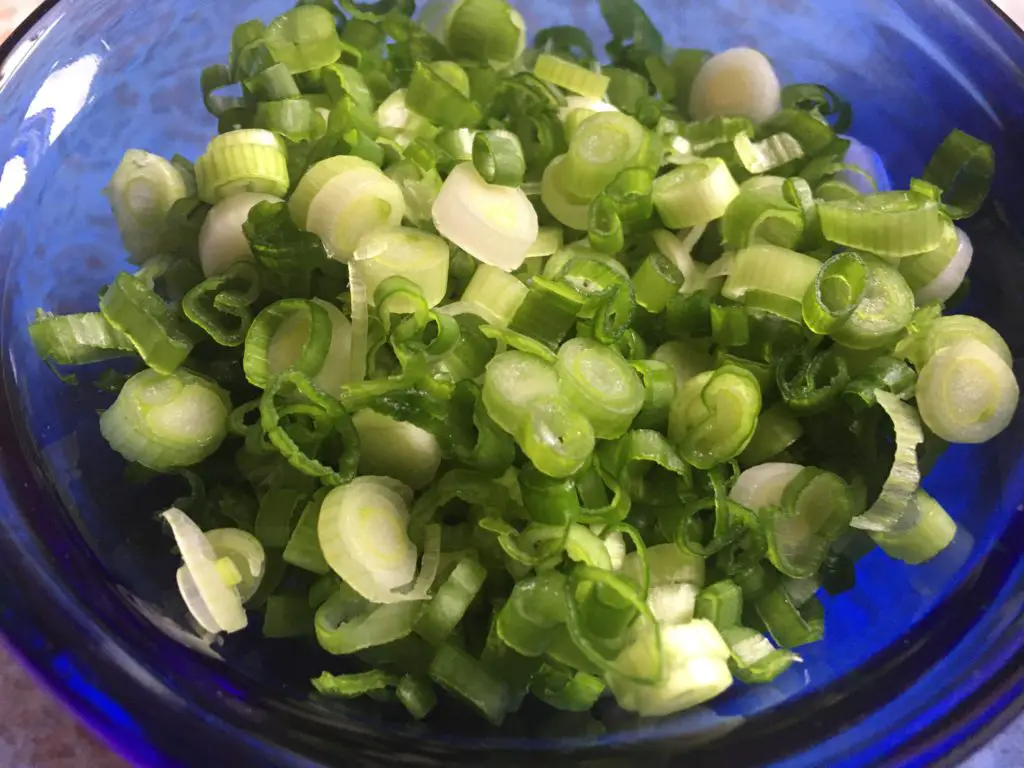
[36, 731]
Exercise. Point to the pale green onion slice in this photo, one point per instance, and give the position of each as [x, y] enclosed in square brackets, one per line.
[514, 380]
[218, 605]
[600, 384]
[883, 310]
[570, 210]
[666, 564]
[557, 438]
[314, 180]
[927, 531]
[579, 108]
[396, 449]
[406, 252]
[351, 205]
[494, 224]
[892, 224]
[246, 160]
[164, 422]
[686, 358]
[948, 330]
[768, 269]
[761, 214]
[488, 31]
[494, 295]
[678, 251]
[904, 476]
[920, 269]
[222, 243]
[946, 283]
[571, 77]
[694, 193]
[762, 486]
[602, 146]
[362, 532]
[246, 554]
[400, 123]
[966, 393]
[694, 669]
[141, 193]
[549, 241]
[739, 82]
[672, 603]
[292, 337]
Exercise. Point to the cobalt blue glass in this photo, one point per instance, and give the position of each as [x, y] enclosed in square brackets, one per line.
[920, 665]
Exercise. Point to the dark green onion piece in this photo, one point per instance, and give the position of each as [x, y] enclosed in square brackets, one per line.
[565, 689]
[220, 305]
[498, 158]
[535, 607]
[548, 500]
[434, 97]
[416, 695]
[790, 626]
[303, 547]
[353, 685]
[572, 42]
[343, 442]
[255, 359]
[886, 373]
[810, 384]
[647, 467]
[287, 616]
[459, 673]
[656, 281]
[548, 311]
[604, 227]
[277, 510]
[820, 100]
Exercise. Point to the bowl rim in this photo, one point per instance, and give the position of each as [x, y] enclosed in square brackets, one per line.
[43, 613]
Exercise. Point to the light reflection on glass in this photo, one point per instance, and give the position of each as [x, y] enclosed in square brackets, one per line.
[65, 91]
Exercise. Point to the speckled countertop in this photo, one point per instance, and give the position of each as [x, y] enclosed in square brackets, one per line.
[36, 731]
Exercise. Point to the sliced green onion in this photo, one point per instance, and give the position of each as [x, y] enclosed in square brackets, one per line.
[77, 339]
[435, 92]
[739, 82]
[396, 449]
[346, 623]
[488, 31]
[894, 224]
[948, 330]
[816, 507]
[363, 537]
[571, 77]
[495, 224]
[514, 380]
[714, 416]
[967, 393]
[761, 214]
[772, 270]
[214, 603]
[343, 199]
[720, 603]
[861, 301]
[600, 384]
[938, 274]
[459, 673]
[498, 158]
[904, 476]
[351, 686]
[167, 421]
[222, 243]
[141, 193]
[925, 532]
[247, 160]
[136, 312]
[686, 358]
[451, 601]
[416, 696]
[304, 38]
[603, 145]
[754, 659]
[962, 167]
[777, 429]
[400, 123]
[694, 193]
[810, 384]
[762, 486]
[555, 436]
[568, 209]
[789, 625]
[418, 256]
[303, 547]
[694, 669]
[494, 295]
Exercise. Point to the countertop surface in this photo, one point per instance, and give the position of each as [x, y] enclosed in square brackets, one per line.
[36, 731]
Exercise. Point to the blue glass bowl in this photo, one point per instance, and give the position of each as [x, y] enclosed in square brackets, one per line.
[920, 664]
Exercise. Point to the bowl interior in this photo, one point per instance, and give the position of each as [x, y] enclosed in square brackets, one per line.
[98, 77]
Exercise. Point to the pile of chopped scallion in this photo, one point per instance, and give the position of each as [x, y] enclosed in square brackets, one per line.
[503, 372]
